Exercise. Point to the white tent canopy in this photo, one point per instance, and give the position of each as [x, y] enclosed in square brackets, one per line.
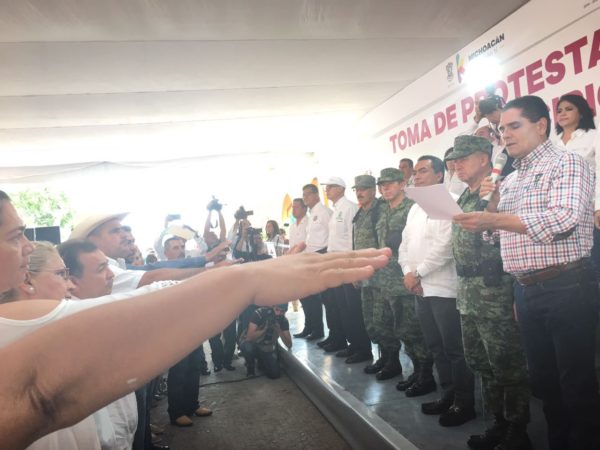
[271, 88]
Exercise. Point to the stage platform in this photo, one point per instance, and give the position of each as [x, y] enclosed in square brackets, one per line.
[372, 414]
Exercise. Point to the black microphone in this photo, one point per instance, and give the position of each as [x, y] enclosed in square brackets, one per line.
[499, 164]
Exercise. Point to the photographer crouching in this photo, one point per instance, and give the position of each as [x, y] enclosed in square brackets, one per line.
[259, 342]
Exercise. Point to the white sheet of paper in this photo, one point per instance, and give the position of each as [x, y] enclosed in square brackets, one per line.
[435, 200]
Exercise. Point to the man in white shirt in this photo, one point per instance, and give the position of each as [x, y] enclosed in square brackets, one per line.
[106, 232]
[317, 234]
[426, 258]
[344, 317]
[298, 228]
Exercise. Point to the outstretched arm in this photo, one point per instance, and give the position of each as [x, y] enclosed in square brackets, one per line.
[70, 368]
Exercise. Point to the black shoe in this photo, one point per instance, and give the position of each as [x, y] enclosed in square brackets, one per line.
[205, 372]
[438, 407]
[229, 367]
[375, 367]
[405, 384]
[302, 334]
[314, 336]
[491, 437]
[159, 447]
[359, 357]
[333, 347]
[420, 387]
[389, 371]
[218, 367]
[345, 353]
[324, 342]
[456, 415]
[250, 372]
[516, 438]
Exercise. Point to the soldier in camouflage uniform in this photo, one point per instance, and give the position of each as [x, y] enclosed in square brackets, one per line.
[393, 315]
[490, 333]
[364, 236]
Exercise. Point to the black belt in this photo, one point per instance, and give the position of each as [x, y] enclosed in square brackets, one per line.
[537, 276]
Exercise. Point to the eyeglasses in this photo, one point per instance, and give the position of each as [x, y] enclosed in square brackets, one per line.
[63, 273]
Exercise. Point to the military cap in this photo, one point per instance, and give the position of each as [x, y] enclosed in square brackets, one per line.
[364, 182]
[467, 145]
[390, 174]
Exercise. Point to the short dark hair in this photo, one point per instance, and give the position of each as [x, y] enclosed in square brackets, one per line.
[311, 187]
[586, 122]
[299, 200]
[3, 198]
[533, 108]
[436, 164]
[70, 250]
[408, 160]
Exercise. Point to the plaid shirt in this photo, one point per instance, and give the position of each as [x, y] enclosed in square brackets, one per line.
[551, 191]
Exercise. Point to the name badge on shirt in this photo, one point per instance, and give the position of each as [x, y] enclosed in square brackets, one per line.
[339, 217]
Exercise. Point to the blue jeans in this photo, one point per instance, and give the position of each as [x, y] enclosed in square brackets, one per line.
[558, 320]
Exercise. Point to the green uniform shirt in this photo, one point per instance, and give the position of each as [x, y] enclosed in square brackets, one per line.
[473, 296]
[390, 225]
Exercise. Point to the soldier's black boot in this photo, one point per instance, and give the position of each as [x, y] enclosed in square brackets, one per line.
[392, 366]
[412, 378]
[491, 437]
[516, 438]
[425, 382]
[378, 365]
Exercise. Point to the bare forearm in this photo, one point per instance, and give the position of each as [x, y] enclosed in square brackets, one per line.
[76, 365]
[508, 222]
[169, 274]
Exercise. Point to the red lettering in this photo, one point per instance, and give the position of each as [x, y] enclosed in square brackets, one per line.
[439, 122]
[402, 140]
[575, 49]
[413, 135]
[425, 133]
[534, 77]
[595, 50]
[393, 138]
[451, 116]
[514, 79]
[556, 68]
[467, 106]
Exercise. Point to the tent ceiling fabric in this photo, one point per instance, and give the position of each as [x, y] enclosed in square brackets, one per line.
[78, 74]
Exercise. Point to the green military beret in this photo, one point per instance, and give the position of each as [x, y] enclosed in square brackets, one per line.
[364, 182]
[390, 174]
[467, 145]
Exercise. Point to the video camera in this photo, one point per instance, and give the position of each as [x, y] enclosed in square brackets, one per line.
[242, 214]
[214, 205]
[491, 103]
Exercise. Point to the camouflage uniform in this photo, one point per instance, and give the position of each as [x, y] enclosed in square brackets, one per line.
[394, 316]
[364, 237]
[490, 334]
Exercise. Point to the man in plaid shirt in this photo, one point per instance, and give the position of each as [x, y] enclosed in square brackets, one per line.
[544, 214]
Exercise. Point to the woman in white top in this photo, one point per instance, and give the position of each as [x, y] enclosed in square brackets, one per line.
[47, 278]
[69, 368]
[576, 132]
[273, 235]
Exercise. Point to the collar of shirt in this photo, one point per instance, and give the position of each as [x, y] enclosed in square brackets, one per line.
[526, 161]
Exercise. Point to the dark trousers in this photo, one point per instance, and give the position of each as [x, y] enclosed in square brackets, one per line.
[333, 300]
[558, 320]
[183, 384]
[313, 313]
[267, 361]
[353, 324]
[440, 323]
[222, 350]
